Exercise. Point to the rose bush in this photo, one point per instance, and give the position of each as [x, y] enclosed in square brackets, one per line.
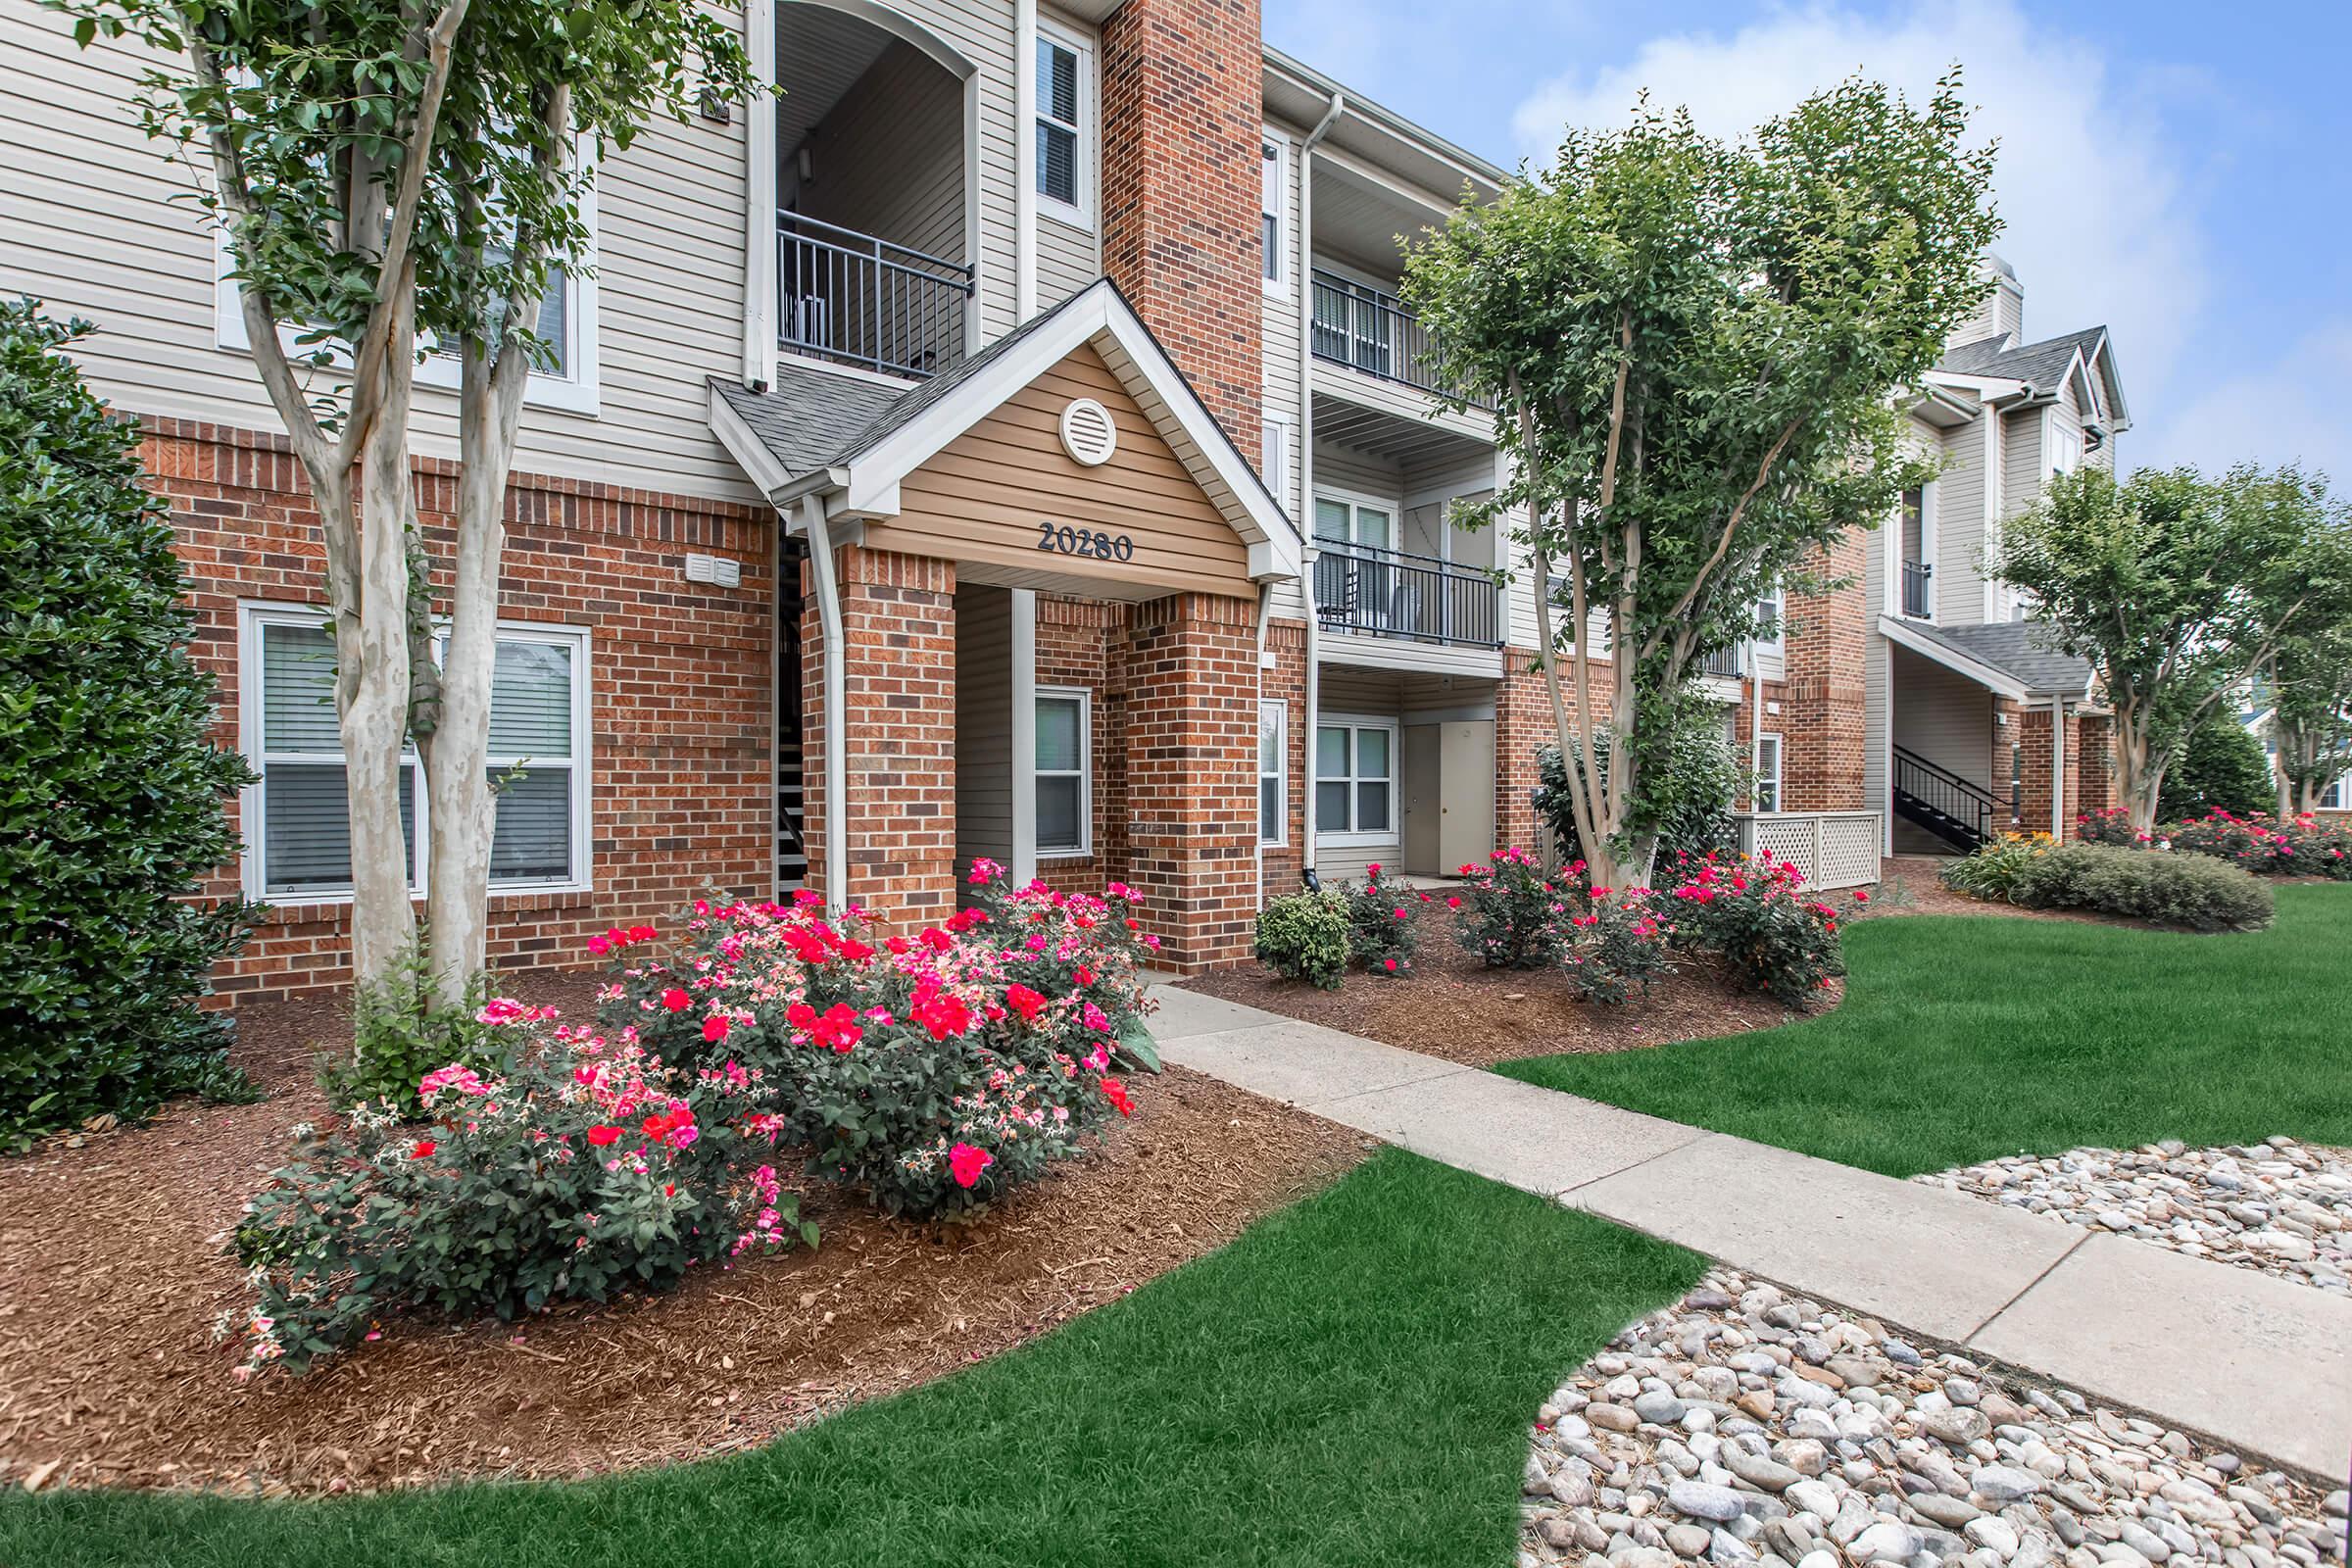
[1380, 933]
[1616, 946]
[2302, 845]
[590, 1166]
[1510, 916]
[901, 1060]
[1778, 938]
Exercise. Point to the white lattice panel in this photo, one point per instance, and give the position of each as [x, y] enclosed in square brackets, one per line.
[1828, 849]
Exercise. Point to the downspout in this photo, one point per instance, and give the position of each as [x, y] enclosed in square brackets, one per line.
[836, 769]
[759, 206]
[1265, 611]
[1306, 465]
[1993, 496]
[2057, 769]
[1755, 732]
[1024, 145]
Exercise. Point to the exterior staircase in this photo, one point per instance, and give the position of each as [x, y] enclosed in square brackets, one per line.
[792, 850]
[1955, 811]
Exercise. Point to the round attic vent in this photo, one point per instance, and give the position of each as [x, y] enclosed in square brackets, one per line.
[1087, 433]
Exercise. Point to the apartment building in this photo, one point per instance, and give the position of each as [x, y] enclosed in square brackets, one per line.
[1007, 443]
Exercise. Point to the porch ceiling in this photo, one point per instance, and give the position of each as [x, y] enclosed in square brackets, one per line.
[1409, 443]
[819, 52]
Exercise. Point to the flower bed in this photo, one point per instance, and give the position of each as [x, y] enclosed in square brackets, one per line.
[2302, 845]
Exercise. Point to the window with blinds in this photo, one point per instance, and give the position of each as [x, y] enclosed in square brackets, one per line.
[1062, 745]
[1061, 88]
[1273, 768]
[301, 841]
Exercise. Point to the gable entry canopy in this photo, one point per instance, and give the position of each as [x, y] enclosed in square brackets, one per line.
[972, 465]
[2009, 658]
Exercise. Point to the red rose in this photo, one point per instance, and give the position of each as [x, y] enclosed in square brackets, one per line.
[602, 1137]
[675, 1000]
[965, 1163]
[424, 1150]
[716, 1027]
[1116, 1092]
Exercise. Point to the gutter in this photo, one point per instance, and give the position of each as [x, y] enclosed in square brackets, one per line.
[836, 769]
[1307, 553]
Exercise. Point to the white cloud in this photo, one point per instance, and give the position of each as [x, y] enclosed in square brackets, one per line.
[2101, 225]
[2281, 411]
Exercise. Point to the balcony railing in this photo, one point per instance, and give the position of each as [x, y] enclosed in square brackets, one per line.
[1365, 329]
[1386, 593]
[1919, 579]
[1729, 663]
[851, 297]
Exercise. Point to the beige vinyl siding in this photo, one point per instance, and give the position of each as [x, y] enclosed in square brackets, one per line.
[1363, 694]
[88, 223]
[1944, 718]
[983, 726]
[1960, 526]
[2022, 471]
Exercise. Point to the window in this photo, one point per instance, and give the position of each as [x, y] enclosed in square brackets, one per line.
[1350, 521]
[1272, 189]
[298, 831]
[1768, 773]
[1771, 611]
[1355, 782]
[1356, 581]
[2066, 450]
[2331, 798]
[1274, 464]
[1273, 772]
[567, 321]
[1062, 90]
[1064, 741]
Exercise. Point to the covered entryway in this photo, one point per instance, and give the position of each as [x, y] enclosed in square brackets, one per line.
[1035, 595]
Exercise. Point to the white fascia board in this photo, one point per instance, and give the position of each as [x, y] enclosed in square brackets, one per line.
[1998, 681]
[1989, 388]
[744, 445]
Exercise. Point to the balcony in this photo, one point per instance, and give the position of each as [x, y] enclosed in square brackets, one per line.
[1387, 593]
[860, 300]
[1918, 590]
[1365, 329]
[1729, 663]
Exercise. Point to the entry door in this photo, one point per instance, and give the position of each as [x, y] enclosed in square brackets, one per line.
[1466, 785]
[1423, 787]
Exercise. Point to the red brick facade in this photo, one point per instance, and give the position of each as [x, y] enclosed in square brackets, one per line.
[1183, 117]
[681, 696]
[1824, 728]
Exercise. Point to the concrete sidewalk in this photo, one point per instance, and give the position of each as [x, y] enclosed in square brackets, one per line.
[2263, 1364]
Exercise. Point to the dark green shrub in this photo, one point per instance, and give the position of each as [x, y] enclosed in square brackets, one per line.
[1689, 775]
[1381, 935]
[112, 793]
[1303, 936]
[2195, 892]
[2222, 768]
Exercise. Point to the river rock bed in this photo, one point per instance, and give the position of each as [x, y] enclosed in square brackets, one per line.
[1746, 1428]
[2280, 1206]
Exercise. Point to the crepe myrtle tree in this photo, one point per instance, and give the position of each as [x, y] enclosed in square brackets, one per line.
[2179, 590]
[2310, 689]
[1696, 349]
[394, 179]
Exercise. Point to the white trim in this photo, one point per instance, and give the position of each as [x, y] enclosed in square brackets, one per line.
[1085, 699]
[1279, 284]
[759, 207]
[1278, 429]
[252, 615]
[1999, 682]
[1024, 736]
[1085, 157]
[1281, 774]
[1353, 722]
[579, 390]
[1775, 775]
[1024, 166]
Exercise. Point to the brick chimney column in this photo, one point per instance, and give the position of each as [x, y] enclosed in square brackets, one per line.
[1183, 122]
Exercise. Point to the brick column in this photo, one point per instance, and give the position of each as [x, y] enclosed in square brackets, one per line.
[1191, 775]
[1183, 121]
[1286, 683]
[2034, 792]
[1824, 738]
[2094, 764]
[898, 617]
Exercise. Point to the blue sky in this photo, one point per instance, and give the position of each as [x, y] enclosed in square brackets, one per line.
[2180, 172]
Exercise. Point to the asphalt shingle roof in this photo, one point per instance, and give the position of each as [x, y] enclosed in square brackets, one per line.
[2041, 364]
[2021, 648]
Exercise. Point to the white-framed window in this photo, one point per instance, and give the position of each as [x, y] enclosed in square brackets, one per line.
[2331, 798]
[567, 321]
[1355, 781]
[2066, 449]
[1772, 617]
[1768, 772]
[1273, 772]
[1066, 93]
[297, 816]
[1354, 519]
[1273, 192]
[1064, 788]
[1274, 431]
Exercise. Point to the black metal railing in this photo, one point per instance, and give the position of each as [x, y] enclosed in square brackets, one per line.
[1387, 593]
[1961, 811]
[1361, 328]
[1730, 662]
[842, 295]
[1919, 581]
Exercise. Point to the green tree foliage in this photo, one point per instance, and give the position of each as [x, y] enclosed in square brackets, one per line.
[1694, 349]
[112, 794]
[1690, 777]
[2179, 590]
[2221, 765]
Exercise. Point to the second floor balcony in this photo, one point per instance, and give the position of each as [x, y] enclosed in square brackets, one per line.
[861, 300]
[1387, 593]
[1369, 329]
[1918, 590]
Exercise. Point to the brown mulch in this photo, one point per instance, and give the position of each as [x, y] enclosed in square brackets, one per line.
[112, 1271]
[1452, 1006]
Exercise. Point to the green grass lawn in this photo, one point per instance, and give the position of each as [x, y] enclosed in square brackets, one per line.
[1966, 1037]
[1351, 1382]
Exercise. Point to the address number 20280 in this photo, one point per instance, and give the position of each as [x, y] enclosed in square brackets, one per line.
[1071, 541]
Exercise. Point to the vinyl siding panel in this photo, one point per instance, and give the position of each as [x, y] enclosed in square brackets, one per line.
[1944, 718]
[2021, 470]
[1960, 526]
[983, 726]
[89, 223]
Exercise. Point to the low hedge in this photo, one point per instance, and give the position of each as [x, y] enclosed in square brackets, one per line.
[1305, 936]
[2193, 891]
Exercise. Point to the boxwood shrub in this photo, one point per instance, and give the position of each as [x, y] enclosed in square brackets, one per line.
[1303, 936]
[2193, 891]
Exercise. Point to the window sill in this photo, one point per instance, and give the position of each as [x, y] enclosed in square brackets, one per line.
[325, 908]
